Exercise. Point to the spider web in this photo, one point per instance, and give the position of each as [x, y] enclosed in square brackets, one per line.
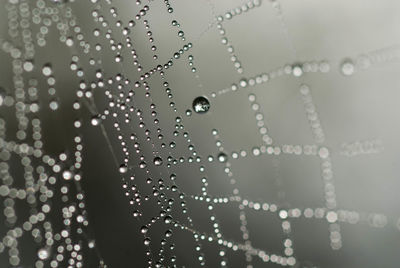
[183, 179]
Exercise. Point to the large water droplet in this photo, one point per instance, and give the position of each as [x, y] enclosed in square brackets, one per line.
[201, 105]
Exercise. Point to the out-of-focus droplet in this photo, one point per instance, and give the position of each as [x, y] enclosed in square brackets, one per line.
[43, 254]
[297, 71]
[67, 175]
[46, 70]
[28, 66]
[347, 68]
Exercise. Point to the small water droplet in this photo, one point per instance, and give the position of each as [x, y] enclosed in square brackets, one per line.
[297, 71]
[123, 168]
[168, 219]
[46, 70]
[157, 161]
[28, 66]
[95, 121]
[243, 83]
[146, 241]
[67, 175]
[347, 67]
[142, 164]
[222, 157]
[43, 254]
[144, 229]
[91, 244]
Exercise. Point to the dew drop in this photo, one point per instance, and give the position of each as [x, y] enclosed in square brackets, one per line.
[201, 105]
[43, 254]
[123, 168]
[168, 233]
[95, 121]
[243, 83]
[157, 161]
[168, 219]
[144, 229]
[297, 71]
[323, 152]
[46, 70]
[222, 157]
[347, 68]
[53, 105]
[67, 175]
[142, 164]
[91, 244]
[28, 66]
[146, 241]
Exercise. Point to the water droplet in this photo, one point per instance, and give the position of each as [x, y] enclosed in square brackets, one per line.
[144, 229]
[43, 254]
[168, 219]
[243, 82]
[123, 168]
[297, 71]
[95, 121]
[136, 214]
[53, 105]
[283, 214]
[67, 175]
[157, 161]
[28, 66]
[146, 241]
[331, 216]
[168, 233]
[323, 152]
[142, 164]
[46, 70]
[222, 157]
[91, 244]
[347, 67]
[201, 105]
